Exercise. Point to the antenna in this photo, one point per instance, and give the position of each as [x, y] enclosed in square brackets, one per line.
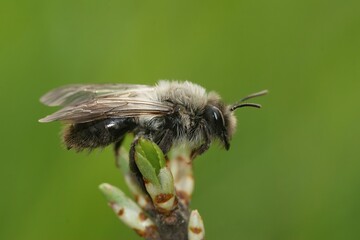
[241, 103]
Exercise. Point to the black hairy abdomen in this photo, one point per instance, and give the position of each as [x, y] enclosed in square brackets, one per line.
[97, 134]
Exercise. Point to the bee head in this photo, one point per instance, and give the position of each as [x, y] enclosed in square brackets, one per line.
[221, 119]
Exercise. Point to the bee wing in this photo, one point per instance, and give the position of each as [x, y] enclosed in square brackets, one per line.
[84, 103]
[77, 93]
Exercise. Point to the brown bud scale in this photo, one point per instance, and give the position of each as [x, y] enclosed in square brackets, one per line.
[121, 212]
[142, 216]
[196, 230]
[164, 197]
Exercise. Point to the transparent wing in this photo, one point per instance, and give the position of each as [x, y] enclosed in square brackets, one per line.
[84, 103]
[77, 93]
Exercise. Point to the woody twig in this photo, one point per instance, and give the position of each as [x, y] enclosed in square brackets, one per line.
[161, 211]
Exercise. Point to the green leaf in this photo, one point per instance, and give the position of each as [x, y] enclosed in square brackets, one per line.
[149, 159]
[152, 153]
[146, 169]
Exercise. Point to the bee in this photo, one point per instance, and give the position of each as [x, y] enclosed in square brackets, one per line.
[170, 113]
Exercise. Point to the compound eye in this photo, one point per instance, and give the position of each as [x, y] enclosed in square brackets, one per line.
[216, 122]
[218, 116]
[214, 116]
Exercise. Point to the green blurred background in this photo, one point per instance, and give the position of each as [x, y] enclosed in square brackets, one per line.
[293, 171]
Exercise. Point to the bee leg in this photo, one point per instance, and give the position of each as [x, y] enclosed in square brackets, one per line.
[200, 150]
[117, 146]
[166, 141]
[203, 147]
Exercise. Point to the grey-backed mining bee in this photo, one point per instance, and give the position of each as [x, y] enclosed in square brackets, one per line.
[169, 113]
